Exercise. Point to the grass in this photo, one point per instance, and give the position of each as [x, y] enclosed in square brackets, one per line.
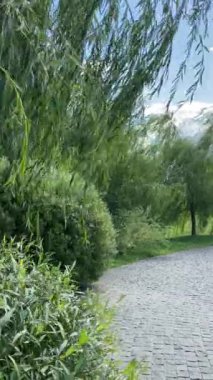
[178, 244]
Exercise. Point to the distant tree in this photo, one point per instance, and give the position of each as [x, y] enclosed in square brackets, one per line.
[132, 183]
[189, 167]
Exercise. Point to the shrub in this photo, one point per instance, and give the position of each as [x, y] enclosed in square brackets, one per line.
[72, 221]
[75, 226]
[47, 329]
[137, 231]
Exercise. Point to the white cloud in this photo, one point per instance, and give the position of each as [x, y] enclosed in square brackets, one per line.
[155, 109]
[191, 110]
[186, 117]
[186, 111]
[211, 49]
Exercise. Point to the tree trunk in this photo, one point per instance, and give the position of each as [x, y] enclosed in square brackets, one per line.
[193, 219]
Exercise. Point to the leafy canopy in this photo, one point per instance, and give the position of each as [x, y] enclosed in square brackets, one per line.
[73, 71]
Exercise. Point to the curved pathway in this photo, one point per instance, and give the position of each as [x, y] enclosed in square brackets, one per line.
[165, 313]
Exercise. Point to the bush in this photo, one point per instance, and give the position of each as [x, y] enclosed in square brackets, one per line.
[48, 331]
[72, 221]
[137, 231]
[75, 226]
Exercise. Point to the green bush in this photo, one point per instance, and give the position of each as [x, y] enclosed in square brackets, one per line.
[72, 221]
[47, 329]
[136, 231]
[74, 225]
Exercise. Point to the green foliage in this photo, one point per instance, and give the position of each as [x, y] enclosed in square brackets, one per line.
[71, 220]
[11, 212]
[188, 168]
[70, 77]
[75, 227]
[132, 182]
[72, 72]
[176, 172]
[137, 231]
[47, 329]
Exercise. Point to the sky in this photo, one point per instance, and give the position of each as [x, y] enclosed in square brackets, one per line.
[204, 95]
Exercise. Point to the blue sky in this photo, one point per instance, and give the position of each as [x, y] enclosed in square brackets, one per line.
[205, 92]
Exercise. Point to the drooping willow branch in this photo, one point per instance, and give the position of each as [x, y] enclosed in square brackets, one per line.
[82, 66]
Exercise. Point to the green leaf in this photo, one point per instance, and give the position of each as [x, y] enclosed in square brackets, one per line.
[6, 318]
[83, 338]
[18, 335]
[71, 350]
[130, 370]
[15, 367]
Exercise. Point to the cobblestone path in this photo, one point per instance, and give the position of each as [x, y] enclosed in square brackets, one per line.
[165, 314]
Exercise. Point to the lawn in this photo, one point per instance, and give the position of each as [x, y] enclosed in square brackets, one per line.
[182, 243]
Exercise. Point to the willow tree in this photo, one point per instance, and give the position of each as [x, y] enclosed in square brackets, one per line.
[72, 72]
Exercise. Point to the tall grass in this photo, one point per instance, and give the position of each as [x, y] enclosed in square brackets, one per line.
[47, 329]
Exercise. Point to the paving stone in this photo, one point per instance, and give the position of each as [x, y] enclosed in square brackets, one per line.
[182, 374]
[159, 376]
[195, 375]
[166, 316]
[207, 377]
[182, 367]
[206, 370]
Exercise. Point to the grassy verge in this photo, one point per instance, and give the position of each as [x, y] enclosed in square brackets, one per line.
[177, 244]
